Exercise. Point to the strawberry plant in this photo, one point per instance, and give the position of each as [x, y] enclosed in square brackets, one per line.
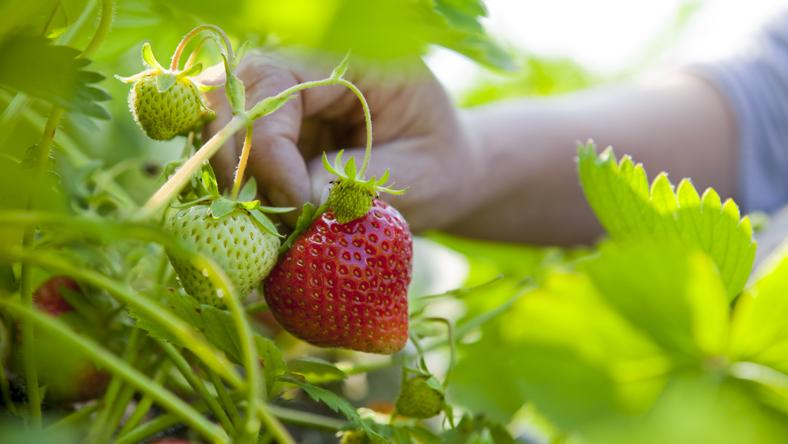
[140, 301]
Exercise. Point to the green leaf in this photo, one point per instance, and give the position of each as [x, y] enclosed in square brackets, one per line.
[573, 356]
[332, 401]
[268, 106]
[249, 191]
[57, 74]
[341, 69]
[465, 34]
[759, 331]
[164, 81]
[181, 305]
[222, 207]
[220, 330]
[316, 370]
[674, 297]
[274, 364]
[629, 209]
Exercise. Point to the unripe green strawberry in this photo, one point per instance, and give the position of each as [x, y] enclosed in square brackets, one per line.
[236, 241]
[166, 103]
[168, 113]
[418, 398]
[354, 437]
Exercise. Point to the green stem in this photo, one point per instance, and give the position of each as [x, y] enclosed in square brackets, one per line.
[176, 57]
[192, 338]
[150, 428]
[306, 419]
[197, 384]
[4, 387]
[164, 195]
[143, 407]
[224, 396]
[239, 172]
[110, 362]
[26, 291]
[73, 418]
[367, 123]
[98, 430]
[105, 22]
[273, 426]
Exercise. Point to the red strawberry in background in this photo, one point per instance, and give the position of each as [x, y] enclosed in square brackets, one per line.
[344, 281]
[68, 376]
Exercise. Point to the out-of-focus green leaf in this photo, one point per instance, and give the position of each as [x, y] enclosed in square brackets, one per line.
[629, 209]
[373, 30]
[674, 297]
[535, 77]
[760, 330]
[316, 370]
[577, 359]
[35, 66]
[696, 408]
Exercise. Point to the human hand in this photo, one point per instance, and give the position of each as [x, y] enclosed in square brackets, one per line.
[417, 134]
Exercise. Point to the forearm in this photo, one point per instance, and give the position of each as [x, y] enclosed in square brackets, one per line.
[528, 191]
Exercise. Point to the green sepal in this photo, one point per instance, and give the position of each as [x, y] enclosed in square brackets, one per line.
[164, 81]
[275, 210]
[249, 191]
[222, 207]
[265, 222]
[308, 215]
[149, 59]
[191, 71]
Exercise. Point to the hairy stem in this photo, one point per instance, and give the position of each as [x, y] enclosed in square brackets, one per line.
[367, 123]
[241, 169]
[215, 30]
[164, 195]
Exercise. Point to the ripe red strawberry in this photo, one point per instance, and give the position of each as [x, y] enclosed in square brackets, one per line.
[68, 376]
[345, 285]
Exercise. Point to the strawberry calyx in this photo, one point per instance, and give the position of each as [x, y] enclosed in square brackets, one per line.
[205, 191]
[165, 78]
[351, 195]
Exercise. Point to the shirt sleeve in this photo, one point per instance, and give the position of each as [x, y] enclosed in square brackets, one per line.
[756, 84]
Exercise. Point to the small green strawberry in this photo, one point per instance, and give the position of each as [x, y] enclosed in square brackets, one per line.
[235, 234]
[420, 397]
[166, 103]
[354, 437]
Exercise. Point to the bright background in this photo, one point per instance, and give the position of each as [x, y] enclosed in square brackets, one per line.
[607, 37]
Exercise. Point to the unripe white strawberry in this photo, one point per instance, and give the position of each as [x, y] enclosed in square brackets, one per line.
[236, 241]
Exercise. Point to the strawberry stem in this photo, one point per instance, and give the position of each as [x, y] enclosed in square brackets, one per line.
[367, 123]
[216, 32]
[241, 169]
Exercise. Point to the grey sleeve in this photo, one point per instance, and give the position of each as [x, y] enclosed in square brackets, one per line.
[756, 84]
